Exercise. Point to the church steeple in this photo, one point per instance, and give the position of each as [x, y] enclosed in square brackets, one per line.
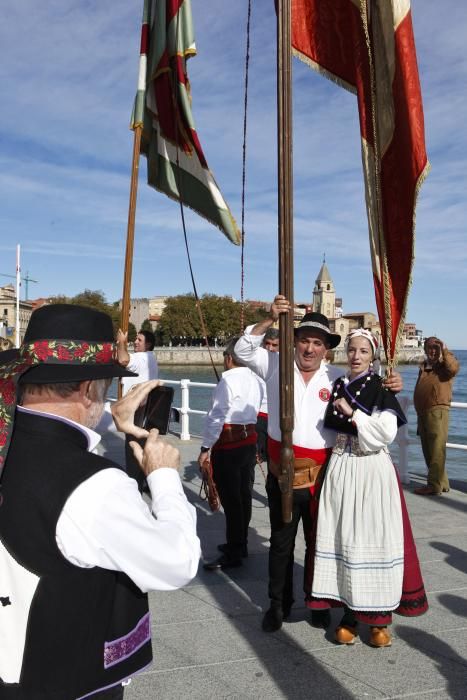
[323, 274]
[324, 294]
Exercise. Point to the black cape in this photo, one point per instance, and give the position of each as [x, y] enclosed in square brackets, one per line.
[365, 393]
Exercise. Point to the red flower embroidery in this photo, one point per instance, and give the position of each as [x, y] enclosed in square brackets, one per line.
[85, 346]
[3, 439]
[2, 423]
[63, 353]
[79, 352]
[8, 391]
[106, 354]
[41, 349]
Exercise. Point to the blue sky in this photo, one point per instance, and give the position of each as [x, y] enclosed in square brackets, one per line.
[68, 70]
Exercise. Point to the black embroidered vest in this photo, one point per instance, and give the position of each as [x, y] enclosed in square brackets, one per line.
[87, 628]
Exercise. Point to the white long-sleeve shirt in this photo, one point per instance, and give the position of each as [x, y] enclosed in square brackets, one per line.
[105, 522]
[236, 400]
[310, 399]
[375, 431]
[144, 364]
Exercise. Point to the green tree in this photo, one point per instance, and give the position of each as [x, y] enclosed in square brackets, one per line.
[94, 300]
[146, 325]
[221, 314]
[132, 332]
[179, 318]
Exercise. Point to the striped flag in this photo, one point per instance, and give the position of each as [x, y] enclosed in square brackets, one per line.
[367, 46]
[176, 163]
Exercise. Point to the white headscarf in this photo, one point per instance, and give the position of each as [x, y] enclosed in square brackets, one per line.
[363, 333]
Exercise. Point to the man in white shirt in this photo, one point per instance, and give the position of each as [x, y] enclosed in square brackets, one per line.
[271, 343]
[229, 440]
[79, 548]
[312, 443]
[142, 362]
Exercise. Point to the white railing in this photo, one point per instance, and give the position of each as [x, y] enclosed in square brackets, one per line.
[185, 410]
[402, 439]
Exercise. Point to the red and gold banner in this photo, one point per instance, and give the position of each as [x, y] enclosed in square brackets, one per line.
[367, 46]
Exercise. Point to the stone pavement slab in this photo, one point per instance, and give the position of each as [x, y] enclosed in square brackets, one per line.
[208, 641]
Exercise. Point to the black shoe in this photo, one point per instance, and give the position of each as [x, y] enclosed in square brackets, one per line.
[321, 618]
[272, 620]
[223, 562]
[225, 548]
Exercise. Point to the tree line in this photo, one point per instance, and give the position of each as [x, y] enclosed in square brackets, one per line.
[180, 321]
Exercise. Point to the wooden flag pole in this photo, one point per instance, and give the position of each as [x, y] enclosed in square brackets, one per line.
[130, 235]
[286, 286]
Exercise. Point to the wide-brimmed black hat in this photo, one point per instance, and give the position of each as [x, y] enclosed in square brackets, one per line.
[319, 322]
[70, 344]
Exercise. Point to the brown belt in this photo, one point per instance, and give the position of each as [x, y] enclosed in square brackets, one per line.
[306, 471]
[235, 433]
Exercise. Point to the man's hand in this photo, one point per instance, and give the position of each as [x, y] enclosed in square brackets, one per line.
[123, 410]
[123, 356]
[156, 454]
[393, 382]
[280, 305]
[203, 460]
[122, 337]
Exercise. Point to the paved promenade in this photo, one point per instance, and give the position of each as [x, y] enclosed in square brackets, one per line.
[208, 641]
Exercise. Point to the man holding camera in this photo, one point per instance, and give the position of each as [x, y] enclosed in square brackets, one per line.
[79, 548]
[432, 399]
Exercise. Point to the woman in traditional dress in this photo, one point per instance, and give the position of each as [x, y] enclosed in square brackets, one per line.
[365, 558]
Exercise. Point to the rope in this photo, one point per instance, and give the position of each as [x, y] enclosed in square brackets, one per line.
[182, 214]
[245, 111]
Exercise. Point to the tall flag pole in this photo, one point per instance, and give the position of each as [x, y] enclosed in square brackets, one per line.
[18, 290]
[137, 131]
[176, 162]
[285, 233]
[367, 47]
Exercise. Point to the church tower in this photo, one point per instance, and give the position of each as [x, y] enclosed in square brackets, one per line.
[324, 294]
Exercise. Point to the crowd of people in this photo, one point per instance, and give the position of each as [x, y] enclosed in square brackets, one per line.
[80, 547]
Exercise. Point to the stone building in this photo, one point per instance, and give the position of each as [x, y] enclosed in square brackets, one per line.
[325, 302]
[8, 314]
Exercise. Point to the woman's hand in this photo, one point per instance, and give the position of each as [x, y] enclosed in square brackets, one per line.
[343, 406]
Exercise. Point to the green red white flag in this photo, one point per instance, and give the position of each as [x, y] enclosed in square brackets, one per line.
[176, 163]
[367, 46]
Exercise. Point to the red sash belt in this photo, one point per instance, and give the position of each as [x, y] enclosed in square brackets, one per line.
[261, 414]
[319, 456]
[234, 435]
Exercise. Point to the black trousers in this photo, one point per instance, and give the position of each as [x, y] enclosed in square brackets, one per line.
[262, 441]
[233, 472]
[281, 552]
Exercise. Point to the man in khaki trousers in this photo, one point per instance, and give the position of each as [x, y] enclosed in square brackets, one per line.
[432, 399]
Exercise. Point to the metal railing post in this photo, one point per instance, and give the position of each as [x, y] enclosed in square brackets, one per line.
[185, 407]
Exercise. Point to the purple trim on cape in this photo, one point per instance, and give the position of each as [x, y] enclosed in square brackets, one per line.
[120, 649]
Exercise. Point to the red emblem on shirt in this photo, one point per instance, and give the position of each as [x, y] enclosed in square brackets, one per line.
[324, 395]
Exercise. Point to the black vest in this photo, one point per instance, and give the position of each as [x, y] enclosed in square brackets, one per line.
[87, 628]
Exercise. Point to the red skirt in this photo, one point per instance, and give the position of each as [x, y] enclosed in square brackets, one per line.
[413, 600]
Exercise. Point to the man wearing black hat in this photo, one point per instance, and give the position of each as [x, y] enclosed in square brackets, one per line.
[79, 548]
[312, 443]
